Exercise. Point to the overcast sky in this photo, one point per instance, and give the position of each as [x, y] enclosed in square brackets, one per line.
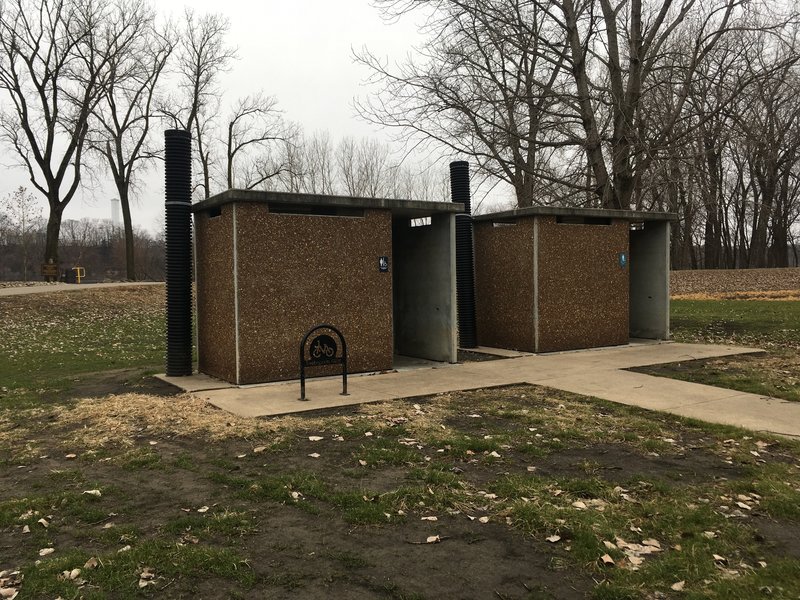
[299, 51]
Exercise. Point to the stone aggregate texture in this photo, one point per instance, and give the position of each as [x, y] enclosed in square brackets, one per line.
[544, 286]
[216, 325]
[711, 281]
[504, 285]
[296, 271]
[583, 291]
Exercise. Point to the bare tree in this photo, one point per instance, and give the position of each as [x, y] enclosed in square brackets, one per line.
[24, 218]
[320, 168]
[126, 109]
[489, 83]
[55, 64]
[618, 49]
[202, 57]
[258, 143]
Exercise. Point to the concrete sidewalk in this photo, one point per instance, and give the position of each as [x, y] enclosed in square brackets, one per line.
[23, 290]
[597, 373]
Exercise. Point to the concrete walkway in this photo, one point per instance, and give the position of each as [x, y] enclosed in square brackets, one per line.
[597, 373]
[69, 287]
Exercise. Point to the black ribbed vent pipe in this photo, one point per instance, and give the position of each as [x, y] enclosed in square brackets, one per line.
[178, 204]
[465, 263]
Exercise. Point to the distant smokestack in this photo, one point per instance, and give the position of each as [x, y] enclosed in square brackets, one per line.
[178, 192]
[116, 218]
[465, 263]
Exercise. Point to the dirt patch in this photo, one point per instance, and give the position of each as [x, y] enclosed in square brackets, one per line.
[778, 537]
[618, 464]
[712, 282]
[120, 381]
[468, 356]
[290, 551]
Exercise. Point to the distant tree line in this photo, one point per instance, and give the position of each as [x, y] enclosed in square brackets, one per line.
[691, 107]
[83, 82]
[94, 244]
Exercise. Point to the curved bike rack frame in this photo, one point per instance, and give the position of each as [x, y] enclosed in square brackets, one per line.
[325, 360]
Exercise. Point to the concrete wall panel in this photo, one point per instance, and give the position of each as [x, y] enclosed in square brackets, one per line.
[424, 288]
[650, 281]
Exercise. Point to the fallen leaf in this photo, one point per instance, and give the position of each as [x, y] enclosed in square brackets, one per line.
[46, 551]
[368, 434]
[71, 456]
[124, 549]
[241, 455]
[363, 463]
[74, 574]
[433, 539]
[315, 438]
[296, 495]
[259, 449]
[202, 509]
[607, 560]
[153, 443]
[44, 523]
[314, 455]
[429, 519]
[92, 563]
[553, 539]
[93, 493]
[720, 559]
[579, 505]
[26, 529]
[531, 469]
[651, 542]
[677, 587]
[610, 545]
[483, 519]
[494, 454]
[635, 560]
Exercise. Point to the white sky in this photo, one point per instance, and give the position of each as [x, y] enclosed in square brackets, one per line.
[299, 51]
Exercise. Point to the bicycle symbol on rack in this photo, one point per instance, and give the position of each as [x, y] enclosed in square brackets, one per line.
[323, 348]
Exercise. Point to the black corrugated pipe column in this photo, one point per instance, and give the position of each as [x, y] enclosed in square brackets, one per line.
[465, 263]
[178, 204]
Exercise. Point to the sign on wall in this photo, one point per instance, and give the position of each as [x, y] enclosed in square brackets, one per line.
[383, 264]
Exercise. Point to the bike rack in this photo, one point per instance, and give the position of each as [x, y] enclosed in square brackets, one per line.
[322, 350]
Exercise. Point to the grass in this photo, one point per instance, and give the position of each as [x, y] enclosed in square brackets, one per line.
[773, 326]
[756, 322]
[50, 341]
[213, 518]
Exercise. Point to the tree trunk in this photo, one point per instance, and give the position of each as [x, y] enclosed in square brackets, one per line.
[130, 266]
[53, 231]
